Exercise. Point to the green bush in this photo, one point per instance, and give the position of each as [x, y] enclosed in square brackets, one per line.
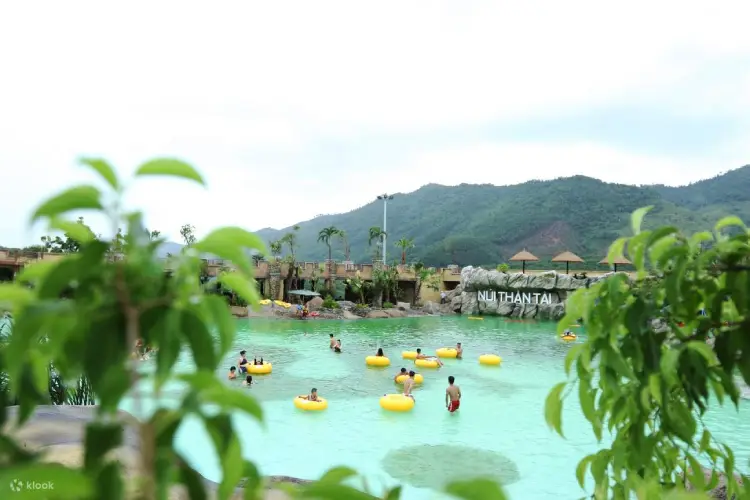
[503, 268]
[387, 305]
[651, 366]
[329, 303]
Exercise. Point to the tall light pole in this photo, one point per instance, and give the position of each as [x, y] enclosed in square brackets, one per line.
[385, 197]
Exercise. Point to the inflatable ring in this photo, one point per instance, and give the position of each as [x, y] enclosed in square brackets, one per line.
[426, 363]
[377, 361]
[396, 402]
[418, 378]
[446, 352]
[568, 338]
[409, 354]
[476, 318]
[265, 302]
[301, 403]
[490, 359]
[263, 369]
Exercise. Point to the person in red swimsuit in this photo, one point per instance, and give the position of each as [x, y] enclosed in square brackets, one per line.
[452, 395]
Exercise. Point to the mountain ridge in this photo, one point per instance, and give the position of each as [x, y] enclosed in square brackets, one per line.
[485, 224]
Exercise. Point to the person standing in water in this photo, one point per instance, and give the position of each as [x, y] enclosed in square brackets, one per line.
[459, 350]
[242, 362]
[409, 385]
[332, 342]
[452, 395]
[337, 347]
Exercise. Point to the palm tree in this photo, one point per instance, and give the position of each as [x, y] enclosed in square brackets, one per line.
[376, 234]
[345, 241]
[404, 244]
[325, 236]
[290, 239]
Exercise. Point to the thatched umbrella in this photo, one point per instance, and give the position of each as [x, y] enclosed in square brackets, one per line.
[567, 257]
[523, 256]
[621, 261]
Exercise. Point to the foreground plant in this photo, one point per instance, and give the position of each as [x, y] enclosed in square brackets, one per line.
[113, 299]
[647, 372]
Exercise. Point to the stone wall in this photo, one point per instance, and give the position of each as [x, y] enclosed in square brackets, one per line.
[516, 295]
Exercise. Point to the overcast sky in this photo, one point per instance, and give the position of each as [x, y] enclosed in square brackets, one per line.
[292, 109]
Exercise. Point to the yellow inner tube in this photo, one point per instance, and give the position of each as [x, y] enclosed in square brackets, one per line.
[305, 404]
[396, 402]
[265, 302]
[446, 352]
[476, 317]
[418, 378]
[377, 361]
[263, 369]
[426, 363]
[409, 354]
[490, 359]
[568, 338]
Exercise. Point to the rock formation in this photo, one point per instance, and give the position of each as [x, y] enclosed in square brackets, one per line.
[517, 295]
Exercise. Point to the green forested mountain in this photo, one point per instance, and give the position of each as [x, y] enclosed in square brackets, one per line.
[486, 224]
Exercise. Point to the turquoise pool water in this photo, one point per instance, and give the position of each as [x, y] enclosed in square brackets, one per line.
[499, 430]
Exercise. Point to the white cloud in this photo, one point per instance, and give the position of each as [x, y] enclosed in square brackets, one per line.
[236, 86]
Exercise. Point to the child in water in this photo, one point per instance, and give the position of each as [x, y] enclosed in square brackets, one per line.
[232, 373]
[248, 381]
[337, 347]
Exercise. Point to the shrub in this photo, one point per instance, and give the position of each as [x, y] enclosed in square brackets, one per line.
[329, 303]
[503, 268]
[387, 305]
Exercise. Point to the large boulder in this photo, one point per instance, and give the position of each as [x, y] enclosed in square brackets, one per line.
[431, 307]
[377, 314]
[403, 306]
[395, 313]
[519, 295]
[315, 304]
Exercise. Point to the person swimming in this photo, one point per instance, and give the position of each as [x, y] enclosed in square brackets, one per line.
[243, 361]
[232, 373]
[380, 352]
[400, 374]
[431, 358]
[248, 380]
[313, 396]
[337, 347]
[459, 350]
[256, 362]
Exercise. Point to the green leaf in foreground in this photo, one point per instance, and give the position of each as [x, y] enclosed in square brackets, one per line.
[104, 169]
[75, 230]
[67, 484]
[75, 198]
[553, 408]
[636, 219]
[338, 474]
[170, 167]
[476, 489]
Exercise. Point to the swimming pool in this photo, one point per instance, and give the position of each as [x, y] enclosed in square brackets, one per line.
[499, 430]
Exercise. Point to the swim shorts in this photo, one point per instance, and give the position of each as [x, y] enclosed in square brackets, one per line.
[453, 405]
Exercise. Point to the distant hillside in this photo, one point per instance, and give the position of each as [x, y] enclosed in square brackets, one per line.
[486, 224]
